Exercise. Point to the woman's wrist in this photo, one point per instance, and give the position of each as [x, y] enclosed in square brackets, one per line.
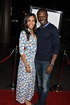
[26, 66]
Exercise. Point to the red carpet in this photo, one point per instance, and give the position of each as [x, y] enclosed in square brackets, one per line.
[7, 97]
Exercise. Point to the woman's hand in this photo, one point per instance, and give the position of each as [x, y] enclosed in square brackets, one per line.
[27, 69]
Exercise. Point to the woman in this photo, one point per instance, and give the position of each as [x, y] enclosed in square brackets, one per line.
[26, 69]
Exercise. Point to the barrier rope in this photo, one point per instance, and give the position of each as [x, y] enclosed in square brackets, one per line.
[15, 50]
[6, 58]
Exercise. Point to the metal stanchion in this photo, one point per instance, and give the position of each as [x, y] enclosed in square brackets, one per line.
[12, 86]
[58, 87]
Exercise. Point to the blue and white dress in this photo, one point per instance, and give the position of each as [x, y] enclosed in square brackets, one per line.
[26, 81]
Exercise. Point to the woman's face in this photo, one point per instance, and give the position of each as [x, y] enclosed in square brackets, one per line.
[31, 22]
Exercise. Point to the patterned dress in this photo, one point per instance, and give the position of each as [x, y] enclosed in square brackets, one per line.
[26, 81]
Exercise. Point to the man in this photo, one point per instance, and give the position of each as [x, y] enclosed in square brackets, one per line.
[48, 44]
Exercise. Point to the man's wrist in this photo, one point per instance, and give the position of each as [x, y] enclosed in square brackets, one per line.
[52, 63]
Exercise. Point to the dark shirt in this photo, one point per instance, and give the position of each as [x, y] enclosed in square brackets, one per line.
[48, 42]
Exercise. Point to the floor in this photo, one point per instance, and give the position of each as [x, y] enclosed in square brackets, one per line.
[8, 68]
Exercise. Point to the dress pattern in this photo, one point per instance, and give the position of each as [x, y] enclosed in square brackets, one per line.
[26, 81]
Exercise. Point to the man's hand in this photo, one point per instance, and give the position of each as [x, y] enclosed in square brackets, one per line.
[49, 69]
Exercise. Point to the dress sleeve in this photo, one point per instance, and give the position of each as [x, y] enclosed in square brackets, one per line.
[22, 41]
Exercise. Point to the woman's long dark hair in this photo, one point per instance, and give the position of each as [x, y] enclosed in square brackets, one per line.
[24, 24]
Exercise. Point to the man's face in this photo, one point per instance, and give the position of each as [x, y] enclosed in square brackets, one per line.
[42, 17]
